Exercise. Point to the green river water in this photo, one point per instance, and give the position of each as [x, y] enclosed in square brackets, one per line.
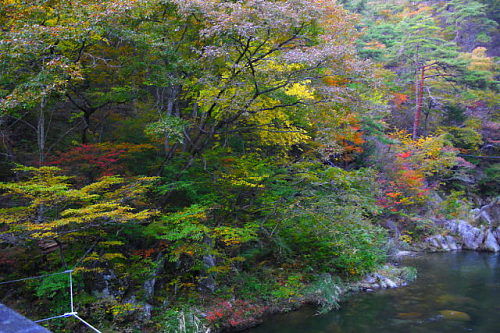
[454, 292]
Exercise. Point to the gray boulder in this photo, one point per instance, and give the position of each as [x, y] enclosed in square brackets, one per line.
[474, 238]
[496, 232]
[471, 237]
[452, 243]
[445, 243]
[488, 215]
[490, 242]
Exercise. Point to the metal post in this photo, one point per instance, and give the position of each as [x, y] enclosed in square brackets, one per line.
[71, 290]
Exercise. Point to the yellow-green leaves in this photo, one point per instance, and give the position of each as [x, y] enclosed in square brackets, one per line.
[300, 90]
[49, 205]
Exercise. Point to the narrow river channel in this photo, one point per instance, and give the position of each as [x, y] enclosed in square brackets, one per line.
[454, 292]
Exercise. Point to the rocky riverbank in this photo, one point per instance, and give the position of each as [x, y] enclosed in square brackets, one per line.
[387, 277]
[325, 295]
[481, 232]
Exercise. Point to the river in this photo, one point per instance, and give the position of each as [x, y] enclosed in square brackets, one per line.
[454, 292]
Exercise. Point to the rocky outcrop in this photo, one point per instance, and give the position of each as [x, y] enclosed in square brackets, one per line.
[463, 235]
[482, 233]
[387, 277]
[445, 243]
[471, 237]
[496, 233]
[377, 281]
[490, 242]
[488, 214]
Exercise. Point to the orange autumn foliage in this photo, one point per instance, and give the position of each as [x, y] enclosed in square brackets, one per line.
[399, 99]
[350, 137]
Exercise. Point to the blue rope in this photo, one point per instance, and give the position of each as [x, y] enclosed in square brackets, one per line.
[66, 315]
[36, 277]
[55, 317]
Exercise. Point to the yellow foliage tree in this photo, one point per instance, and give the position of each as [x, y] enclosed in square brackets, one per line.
[46, 204]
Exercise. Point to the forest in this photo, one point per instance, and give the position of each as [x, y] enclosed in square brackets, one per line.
[200, 164]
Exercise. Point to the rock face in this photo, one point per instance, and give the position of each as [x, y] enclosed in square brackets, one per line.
[445, 243]
[484, 235]
[471, 237]
[497, 234]
[465, 236]
[488, 214]
[490, 242]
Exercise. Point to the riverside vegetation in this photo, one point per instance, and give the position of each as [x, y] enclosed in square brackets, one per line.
[201, 164]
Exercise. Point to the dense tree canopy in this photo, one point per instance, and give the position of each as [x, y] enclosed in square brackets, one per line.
[183, 154]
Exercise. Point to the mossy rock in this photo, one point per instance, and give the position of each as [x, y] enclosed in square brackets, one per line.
[454, 315]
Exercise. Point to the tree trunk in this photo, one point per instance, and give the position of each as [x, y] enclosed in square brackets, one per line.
[40, 133]
[61, 253]
[86, 126]
[419, 91]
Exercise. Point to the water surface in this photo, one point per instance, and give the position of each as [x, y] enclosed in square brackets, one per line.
[454, 292]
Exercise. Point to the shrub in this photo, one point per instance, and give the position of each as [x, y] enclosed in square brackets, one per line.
[325, 292]
[181, 321]
[408, 273]
[455, 205]
[326, 223]
[235, 314]
[465, 138]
